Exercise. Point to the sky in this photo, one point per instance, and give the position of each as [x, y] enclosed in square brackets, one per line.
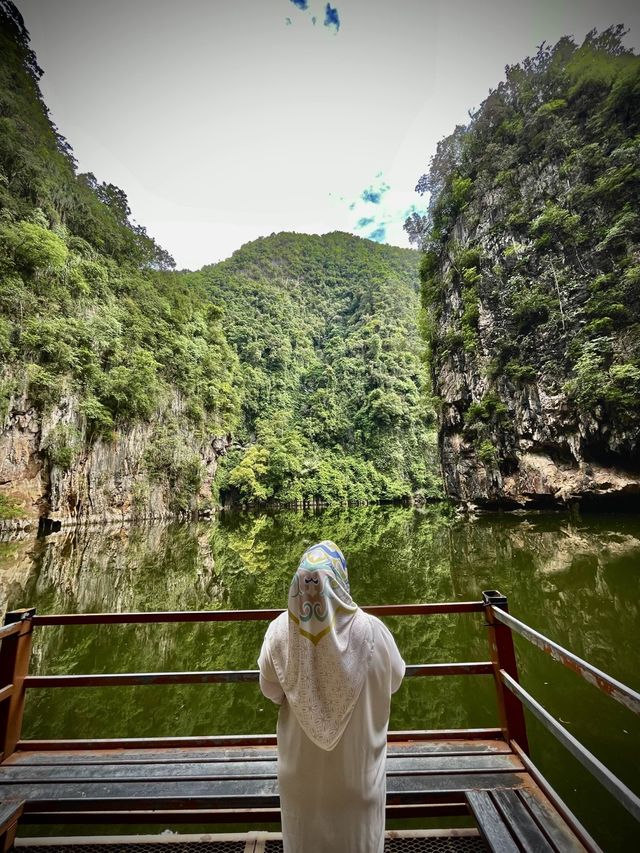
[227, 120]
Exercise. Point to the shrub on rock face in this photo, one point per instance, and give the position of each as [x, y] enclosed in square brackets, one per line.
[599, 384]
[9, 508]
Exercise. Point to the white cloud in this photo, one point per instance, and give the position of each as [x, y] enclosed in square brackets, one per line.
[221, 122]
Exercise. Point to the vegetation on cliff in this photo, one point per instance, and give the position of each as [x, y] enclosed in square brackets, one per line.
[88, 305]
[531, 264]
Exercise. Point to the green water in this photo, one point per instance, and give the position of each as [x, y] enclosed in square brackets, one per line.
[577, 580]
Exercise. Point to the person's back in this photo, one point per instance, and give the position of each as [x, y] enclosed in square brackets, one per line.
[331, 752]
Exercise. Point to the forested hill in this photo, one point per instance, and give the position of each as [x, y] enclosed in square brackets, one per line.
[335, 402]
[531, 282]
[123, 382]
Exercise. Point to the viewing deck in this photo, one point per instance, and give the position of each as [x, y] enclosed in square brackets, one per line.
[483, 773]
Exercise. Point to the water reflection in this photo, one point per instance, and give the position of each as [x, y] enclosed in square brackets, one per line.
[575, 580]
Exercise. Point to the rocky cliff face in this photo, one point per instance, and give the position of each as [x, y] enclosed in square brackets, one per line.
[54, 471]
[511, 433]
[531, 284]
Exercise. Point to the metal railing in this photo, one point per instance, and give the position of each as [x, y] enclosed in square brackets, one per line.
[497, 612]
[20, 624]
[512, 698]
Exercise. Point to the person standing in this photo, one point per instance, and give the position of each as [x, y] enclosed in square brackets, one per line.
[332, 669]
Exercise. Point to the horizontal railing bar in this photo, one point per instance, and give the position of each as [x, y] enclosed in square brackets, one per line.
[6, 692]
[611, 686]
[160, 616]
[124, 679]
[435, 669]
[10, 629]
[615, 786]
[259, 740]
[224, 676]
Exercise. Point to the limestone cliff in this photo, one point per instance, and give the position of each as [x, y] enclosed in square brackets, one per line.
[531, 284]
[53, 470]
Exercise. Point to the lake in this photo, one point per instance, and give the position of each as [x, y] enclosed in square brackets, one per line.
[575, 579]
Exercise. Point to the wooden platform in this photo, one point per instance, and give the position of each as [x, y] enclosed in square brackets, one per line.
[223, 784]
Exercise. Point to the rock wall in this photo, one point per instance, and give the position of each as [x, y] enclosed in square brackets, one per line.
[513, 361]
[52, 470]
[542, 452]
[531, 283]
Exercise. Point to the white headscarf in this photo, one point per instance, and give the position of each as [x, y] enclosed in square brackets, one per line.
[321, 653]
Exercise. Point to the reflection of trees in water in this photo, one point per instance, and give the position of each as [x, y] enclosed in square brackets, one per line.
[17, 557]
[576, 582]
[549, 567]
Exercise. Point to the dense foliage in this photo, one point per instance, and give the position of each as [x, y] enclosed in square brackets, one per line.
[334, 383]
[533, 219]
[88, 306]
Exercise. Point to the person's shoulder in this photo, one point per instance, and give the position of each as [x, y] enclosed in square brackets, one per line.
[277, 625]
[379, 627]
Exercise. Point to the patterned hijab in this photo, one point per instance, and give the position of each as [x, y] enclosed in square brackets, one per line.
[321, 654]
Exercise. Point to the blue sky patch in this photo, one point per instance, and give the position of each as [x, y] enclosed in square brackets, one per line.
[371, 195]
[331, 17]
[379, 234]
[301, 4]
[366, 220]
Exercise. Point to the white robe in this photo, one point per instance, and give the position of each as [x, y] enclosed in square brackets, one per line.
[334, 801]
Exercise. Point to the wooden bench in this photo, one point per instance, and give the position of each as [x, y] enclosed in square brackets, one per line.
[235, 784]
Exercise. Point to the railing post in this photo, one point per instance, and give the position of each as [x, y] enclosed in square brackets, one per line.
[503, 656]
[9, 817]
[15, 652]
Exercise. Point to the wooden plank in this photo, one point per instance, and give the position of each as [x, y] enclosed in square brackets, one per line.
[191, 770]
[401, 788]
[490, 823]
[553, 825]
[240, 740]
[445, 734]
[228, 754]
[10, 812]
[542, 792]
[212, 755]
[226, 816]
[211, 794]
[148, 743]
[128, 796]
[160, 616]
[521, 824]
[449, 747]
[125, 772]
